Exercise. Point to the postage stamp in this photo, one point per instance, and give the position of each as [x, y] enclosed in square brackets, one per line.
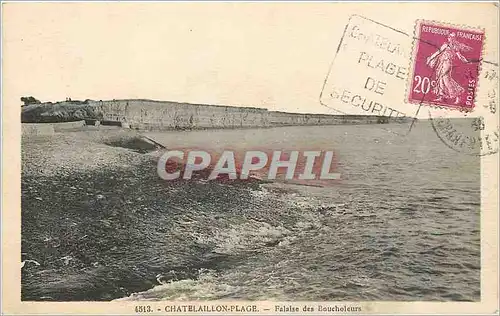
[445, 65]
[457, 86]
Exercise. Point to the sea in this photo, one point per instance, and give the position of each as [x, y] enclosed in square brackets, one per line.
[403, 223]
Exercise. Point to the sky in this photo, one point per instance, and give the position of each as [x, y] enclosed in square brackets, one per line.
[272, 55]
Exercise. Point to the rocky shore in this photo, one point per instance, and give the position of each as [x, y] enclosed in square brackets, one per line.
[101, 224]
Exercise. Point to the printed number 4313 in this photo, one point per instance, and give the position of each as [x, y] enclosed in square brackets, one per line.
[143, 309]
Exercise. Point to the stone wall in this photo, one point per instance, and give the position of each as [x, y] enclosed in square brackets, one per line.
[46, 129]
[35, 129]
[67, 126]
[147, 114]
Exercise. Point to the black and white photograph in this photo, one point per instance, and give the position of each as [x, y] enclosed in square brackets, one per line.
[206, 157]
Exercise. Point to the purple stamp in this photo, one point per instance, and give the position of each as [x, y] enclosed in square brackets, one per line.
[445, 68]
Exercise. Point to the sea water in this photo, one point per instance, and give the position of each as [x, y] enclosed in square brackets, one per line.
[403, 224]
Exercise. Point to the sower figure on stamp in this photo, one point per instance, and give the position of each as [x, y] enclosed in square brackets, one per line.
[442, 62]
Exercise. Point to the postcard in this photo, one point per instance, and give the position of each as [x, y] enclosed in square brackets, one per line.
[249, 158]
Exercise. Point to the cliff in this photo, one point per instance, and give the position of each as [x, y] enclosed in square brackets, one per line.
[148, 114]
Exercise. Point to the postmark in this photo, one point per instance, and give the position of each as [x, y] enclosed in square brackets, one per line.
[369, 71]
[475, 132]
[437, 73]
[445, 65]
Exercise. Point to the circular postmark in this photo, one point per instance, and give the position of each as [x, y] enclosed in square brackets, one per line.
[473, 132]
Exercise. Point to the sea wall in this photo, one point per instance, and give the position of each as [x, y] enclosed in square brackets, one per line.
[35, 129]
[147, 114]
[46, 129]
[67, 126]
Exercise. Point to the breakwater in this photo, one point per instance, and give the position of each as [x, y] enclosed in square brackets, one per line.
[164, 115]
